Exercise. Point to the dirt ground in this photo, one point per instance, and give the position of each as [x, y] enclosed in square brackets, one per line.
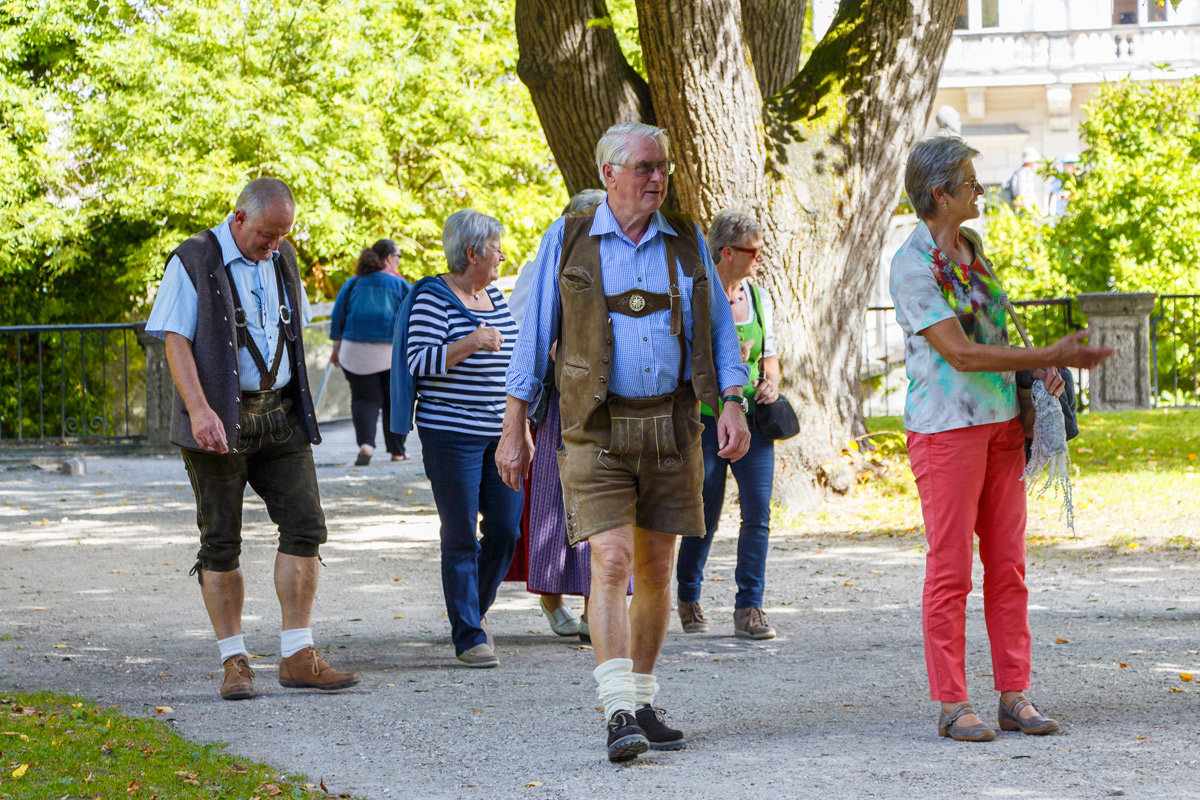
[95, 600]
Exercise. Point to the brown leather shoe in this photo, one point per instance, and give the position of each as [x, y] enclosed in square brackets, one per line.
[1011, 719]
[691, 617]
[751, 623]
[307, 669]
[239, 679]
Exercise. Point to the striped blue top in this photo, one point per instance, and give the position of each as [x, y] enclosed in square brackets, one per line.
[645, 354]
[469, 397]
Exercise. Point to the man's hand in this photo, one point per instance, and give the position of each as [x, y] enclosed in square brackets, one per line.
[514, 453]
[733, 435]
[208, 431]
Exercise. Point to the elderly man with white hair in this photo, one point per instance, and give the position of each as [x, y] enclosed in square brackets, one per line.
[231, 308]
[644, 333]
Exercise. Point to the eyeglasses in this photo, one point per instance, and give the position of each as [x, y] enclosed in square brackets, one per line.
[644, 169]
[757, 253]
[975, 185]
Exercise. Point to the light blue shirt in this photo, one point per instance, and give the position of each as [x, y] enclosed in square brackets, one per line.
[175, 308]
[645, 354]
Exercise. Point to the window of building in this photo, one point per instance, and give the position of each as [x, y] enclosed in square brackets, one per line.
[1144, 12]
[974, 15]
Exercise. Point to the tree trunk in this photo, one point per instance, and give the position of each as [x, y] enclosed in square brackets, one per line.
[818, 160]
[579, 80]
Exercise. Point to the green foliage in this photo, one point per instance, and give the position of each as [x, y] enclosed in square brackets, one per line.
[57, 746]
[1133, 222]
[124, 132]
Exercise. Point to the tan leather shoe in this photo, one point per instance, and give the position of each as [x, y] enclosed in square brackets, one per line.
[481, 656]
[1011, 719]
[307, 669]
[239, 679]
[751, 623]
[948, 726]
[691, 617]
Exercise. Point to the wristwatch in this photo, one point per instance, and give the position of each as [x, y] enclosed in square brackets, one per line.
[736, 398]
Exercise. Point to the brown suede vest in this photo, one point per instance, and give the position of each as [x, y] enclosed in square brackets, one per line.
[583, 361]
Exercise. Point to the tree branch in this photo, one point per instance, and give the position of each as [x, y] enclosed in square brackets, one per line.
[775, 34]
[707, 97]
[579, 80]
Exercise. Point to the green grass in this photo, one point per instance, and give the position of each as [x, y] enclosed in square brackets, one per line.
[54, 746]
[1135, 483]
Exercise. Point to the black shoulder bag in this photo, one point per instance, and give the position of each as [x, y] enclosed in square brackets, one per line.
[775, 421]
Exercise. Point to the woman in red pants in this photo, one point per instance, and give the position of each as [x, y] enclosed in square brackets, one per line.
[965, 439]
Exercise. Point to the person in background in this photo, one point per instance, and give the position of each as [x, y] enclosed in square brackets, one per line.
[965, 439]
[549, 566]
[361, 327]
[1027, 187]
[1060, 191]
[457, 336]
[736, 243]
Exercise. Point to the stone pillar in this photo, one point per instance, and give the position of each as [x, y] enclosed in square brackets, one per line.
[160, 390]
[1122, 322]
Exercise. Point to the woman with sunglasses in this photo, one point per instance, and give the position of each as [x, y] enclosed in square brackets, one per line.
[736, 243]
[966, 444]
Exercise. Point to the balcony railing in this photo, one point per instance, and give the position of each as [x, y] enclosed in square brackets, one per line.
[1003, 58]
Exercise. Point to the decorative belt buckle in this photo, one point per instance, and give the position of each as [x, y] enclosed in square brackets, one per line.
[636, 302]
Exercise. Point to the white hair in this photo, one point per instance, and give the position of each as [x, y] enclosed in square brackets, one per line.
[263, 193]
[613, 147]
[468, 228]
[731, 228]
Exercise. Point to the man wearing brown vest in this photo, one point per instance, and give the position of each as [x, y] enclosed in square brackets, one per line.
[630, 294]
[231, 309]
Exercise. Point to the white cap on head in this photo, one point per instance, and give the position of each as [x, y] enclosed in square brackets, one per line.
[1030, 154]
[1070, 158]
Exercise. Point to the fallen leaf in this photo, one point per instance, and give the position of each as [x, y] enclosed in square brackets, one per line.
[408, 491]
[534, 783]
[163, 709]
[58, 646]
[399, 616]
[323, 789]
[1185, 676]
[19, 771]
[1062, 641]
[183, 773]
[1122, 664]
[848, 583]
[876, 572]
[132, 787]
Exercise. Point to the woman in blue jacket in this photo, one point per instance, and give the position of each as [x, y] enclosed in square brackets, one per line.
[364, 316]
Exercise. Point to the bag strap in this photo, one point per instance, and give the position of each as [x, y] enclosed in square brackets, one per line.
[1012, 312]
[762, 323]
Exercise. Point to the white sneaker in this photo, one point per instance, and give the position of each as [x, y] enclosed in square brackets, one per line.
[562, 621]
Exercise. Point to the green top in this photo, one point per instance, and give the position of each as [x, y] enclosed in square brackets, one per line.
[750, 329]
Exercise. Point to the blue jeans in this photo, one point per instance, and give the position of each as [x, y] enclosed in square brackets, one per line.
[754, 473]
[462, 469]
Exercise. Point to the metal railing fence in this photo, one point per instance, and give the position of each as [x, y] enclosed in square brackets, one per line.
[71, 383]
[1174, 342]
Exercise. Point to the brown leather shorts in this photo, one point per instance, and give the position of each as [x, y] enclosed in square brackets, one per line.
[638, 462]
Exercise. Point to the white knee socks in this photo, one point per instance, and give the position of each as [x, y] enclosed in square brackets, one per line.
[645, 687]
[232, 646]
[614, 685]
[293, 641]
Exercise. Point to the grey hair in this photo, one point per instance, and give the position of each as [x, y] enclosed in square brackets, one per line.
[613, 147]
[939, 161]
[263, 193]
[467, 228]
[585, 199]
[730, 228]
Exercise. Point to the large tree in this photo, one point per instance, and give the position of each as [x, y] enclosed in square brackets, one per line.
[815, 150]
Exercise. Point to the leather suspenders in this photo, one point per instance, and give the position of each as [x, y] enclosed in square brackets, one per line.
[244, 339]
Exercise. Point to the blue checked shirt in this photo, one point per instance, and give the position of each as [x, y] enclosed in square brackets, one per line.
[645, 354]
[175, 308]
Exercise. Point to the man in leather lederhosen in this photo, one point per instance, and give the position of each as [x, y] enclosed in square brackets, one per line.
[231, 309]
[643, 329]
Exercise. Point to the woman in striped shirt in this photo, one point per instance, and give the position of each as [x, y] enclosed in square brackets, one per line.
[460, 339]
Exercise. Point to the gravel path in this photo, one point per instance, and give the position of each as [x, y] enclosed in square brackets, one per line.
[96, 601]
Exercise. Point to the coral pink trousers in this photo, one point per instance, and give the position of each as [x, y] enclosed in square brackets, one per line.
[969, 481]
